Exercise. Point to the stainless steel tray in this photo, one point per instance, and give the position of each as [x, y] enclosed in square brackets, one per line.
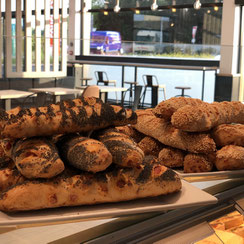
[208, 176]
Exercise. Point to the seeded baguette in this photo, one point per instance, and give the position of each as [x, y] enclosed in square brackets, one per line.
[37, 157]
[124, 150]
[207, 116]
[165, 109]
[87, 189]
[163, 131]
[78, 115]
[84, 153]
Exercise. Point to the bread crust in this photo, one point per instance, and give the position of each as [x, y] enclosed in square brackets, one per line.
[150, 146]
[171, 157]
[230, 157]
[87, 189]
[84, 153]
[124, 150]
[197, 163]
[207, 116]
[163, 131]
[37, 158]
[228, 134]
[165, 109]
[79, 115]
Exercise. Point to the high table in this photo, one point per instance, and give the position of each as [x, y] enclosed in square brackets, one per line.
[57, 92]
[105, 89]
[86, 79]
[7, 95]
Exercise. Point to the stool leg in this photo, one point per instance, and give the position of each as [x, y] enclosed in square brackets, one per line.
[183, 92]
[116, 94]
[144, 94]
[164, 93]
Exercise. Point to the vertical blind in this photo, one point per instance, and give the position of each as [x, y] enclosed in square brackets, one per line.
[35, 38]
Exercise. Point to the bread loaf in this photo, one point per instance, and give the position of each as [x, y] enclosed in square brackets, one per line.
[124, 150]
[163, 131]
[37, 158]
[230, 157]
[10, 176]
[207, 116]
[150, 146]
[171, 157]
[86, 189]
[84, 153]
[197, 163]
[79, 115]
[228, 134]
[165, 109]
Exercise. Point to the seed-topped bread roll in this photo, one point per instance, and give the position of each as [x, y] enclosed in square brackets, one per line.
[120, 184]
[84, 153]
[37, 157]
[124, 150]
[78, 115]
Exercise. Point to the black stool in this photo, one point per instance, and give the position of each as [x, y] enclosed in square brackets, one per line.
[183, 88]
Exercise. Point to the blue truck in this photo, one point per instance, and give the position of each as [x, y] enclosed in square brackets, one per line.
[105, 42]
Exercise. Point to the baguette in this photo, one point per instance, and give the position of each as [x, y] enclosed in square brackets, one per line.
[79, 115]
[165, 109]
[197, 163]
[84, 153]
[228, 134]
[230, 157]
[207, 116]
[150, 146]
[37, 158]
[88, 189]
[9, 177]
[163, 131]
[124, 150]
[171, 157]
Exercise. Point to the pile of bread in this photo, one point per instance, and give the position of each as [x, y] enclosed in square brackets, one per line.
[195, 135]
[75, 152]
[228, 229]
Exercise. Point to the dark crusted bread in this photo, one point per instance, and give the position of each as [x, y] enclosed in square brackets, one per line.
[86, 189]
[78, 115]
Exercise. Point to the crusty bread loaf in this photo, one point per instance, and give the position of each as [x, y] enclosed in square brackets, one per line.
[163, 131]
[171, 157]
[86, 189]
[228, 134]
[165, 109]
[230, 157]
[37, 157]
[197, 163]
[150, 146]
[84, 153]
[207, 116]
[79, 115]
[124, 150]
[10, 176]
[131, 132]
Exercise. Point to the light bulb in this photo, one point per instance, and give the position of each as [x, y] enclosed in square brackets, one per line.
[116, 7]
[197, 4]
[154, 6]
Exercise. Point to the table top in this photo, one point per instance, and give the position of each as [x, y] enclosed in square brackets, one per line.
[86, 78]
[107, 88]
[56, 90]
[11, 93]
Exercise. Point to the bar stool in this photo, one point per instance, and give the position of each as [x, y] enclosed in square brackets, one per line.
[183, 88]
[132, 84]
[151, 81]
[102, 77]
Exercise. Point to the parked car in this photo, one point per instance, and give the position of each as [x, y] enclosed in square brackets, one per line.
[103, 42]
